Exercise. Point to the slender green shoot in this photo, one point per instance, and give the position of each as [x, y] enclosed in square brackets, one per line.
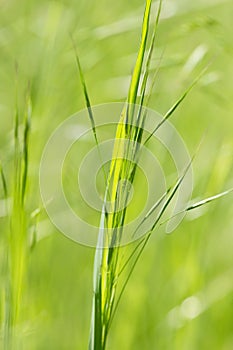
[17, 238]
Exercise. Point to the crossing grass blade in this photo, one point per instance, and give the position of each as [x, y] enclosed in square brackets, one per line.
[174, 107]
[200, 203]
[141, 246]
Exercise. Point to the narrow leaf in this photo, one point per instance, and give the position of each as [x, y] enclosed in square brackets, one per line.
[133, 91]
[208, 200]
[176, 104]
[27, 123]
[3, 180]
[85, 91]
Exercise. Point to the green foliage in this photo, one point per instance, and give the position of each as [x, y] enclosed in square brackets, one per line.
[17, 233]
[180, 295]
[108, 256]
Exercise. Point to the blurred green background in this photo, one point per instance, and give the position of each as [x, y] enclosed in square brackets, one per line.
[181, 294]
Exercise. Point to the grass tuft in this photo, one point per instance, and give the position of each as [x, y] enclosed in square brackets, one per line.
[16, 240]
[109, 262]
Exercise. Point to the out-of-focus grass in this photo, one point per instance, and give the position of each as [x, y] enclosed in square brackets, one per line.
[196, 260]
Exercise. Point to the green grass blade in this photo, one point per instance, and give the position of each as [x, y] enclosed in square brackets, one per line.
[5, 188]
[99, 288]
[176, 104]
[27, 124]
[138, 132]
[85, 91]
[200, 204]
[208, 200]
[151, 49]
[134, 86]
[3, 180]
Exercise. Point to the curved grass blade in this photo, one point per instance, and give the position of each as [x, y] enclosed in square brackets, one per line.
[89, 107]
[85, 91]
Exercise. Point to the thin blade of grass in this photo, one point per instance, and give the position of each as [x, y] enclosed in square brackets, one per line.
[151, 49]
[209, 200]
[3, 180]
[5, 188]
[176, 104]
[27, 124]
[89, 108]
[200, 204]
[138, 131]
[85, 91]
[133, 90]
